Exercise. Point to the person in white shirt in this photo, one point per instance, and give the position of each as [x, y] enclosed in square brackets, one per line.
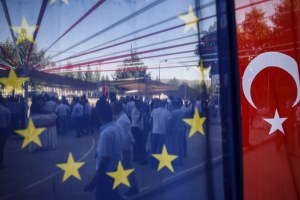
[87, 113]
[124, 124]
[5, 118]
[50, 104]
[160, 118]
[109, 153]
[76, 116]
[62, 111]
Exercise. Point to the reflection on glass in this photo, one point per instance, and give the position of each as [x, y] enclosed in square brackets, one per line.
[128, 95]
[270, 130]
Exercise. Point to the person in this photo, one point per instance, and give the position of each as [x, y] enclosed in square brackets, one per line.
[109, 153]
[176, 137]
[124, 124]
[5, 118]
[50, 104]
[129, 107]
[87, 113]
[35, 107]
[101, 104]
[12, 105]
[160, 118]
[22, 112]
[62, 111]
[137, 132]
[76, 116]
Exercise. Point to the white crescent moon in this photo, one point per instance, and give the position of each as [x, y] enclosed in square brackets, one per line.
[265, 60]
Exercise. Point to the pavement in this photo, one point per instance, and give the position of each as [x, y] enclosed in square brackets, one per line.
[34, 175]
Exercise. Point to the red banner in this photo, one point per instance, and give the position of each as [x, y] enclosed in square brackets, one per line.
[268, 34]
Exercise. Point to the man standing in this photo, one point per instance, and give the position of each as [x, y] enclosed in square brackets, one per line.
[76, 116]
[87, 113]
[124, 124]
[50, 104]
[160, 118]
[137, 131]
[109, 153]
[62, 111]
[5, 118]
[129, 107]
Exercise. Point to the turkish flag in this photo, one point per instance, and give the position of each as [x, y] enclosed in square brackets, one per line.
[268, 37]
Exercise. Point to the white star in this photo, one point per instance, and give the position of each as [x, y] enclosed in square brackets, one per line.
[276, 123]
[64, 1]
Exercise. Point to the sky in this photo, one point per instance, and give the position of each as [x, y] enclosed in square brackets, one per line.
[59, 17]
[107, 20]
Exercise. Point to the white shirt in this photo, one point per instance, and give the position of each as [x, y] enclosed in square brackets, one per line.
[160, 116]
[4, 117]
[77, 110]
[62, 110]
[137, 121]
[109, 144]
[50, 106]
[125, 126]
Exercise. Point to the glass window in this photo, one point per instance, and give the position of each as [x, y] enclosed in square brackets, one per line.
[119, 97]
[268, 56]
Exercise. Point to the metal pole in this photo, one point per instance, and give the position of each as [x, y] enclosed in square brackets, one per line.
[159, 77]
[185, 91]
[147, 95]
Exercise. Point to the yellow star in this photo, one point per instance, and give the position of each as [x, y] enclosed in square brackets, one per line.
[64, 1]
[196, 123]
[12, 82]
[204, 72]
[190, 20]
[120, 176]
[70, 168]
[24, 31]
[165, 159]
[31, 134]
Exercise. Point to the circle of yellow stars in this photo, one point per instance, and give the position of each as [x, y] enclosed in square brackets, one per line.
[31, 134]
[71, 168]
[165, 159]
[196, 123]
[12, 82]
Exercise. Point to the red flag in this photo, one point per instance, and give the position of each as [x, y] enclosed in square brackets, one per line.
[104, 90]
[268, 49]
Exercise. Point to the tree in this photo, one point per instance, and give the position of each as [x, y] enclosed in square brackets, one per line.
[174, 81]
[11, 57]
[253, 34]
[283, 23]
[132, 67]
[208, 46]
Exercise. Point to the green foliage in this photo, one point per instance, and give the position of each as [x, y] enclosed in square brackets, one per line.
[10, 54]
[174, 81]
[131, 68]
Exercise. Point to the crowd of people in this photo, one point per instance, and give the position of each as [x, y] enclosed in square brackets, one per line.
[133, 129]
[130, 129]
